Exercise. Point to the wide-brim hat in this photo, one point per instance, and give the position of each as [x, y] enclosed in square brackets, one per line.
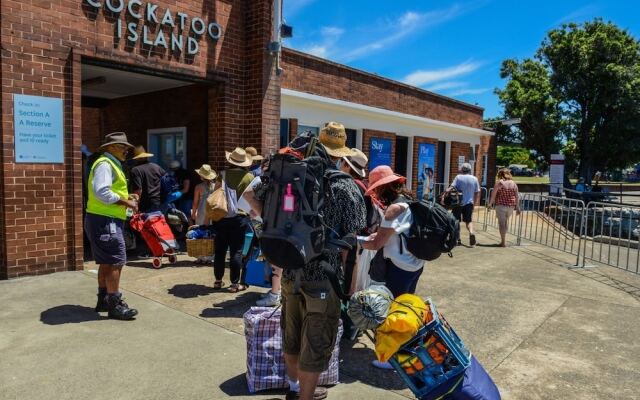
[383, 175]
[139, 152]
[206, 172]
[334, 139]
[238, 157]
[358, 162]
[116, 138]
[253, 152]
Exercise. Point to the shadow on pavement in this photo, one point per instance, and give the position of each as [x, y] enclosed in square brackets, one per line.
[191, 290]
[69, 314]
[233, 308]
[237, 386]
[356, 365]
[146, 263]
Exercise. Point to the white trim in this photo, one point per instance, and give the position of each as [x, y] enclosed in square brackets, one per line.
[447, 163]
[178, 129]
[380, 111]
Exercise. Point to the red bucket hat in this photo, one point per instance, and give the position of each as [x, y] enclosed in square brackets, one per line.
[382, 175]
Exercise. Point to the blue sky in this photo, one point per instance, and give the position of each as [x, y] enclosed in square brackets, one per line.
[454, 48]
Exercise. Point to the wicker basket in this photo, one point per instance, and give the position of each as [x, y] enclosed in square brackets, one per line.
[200, 247]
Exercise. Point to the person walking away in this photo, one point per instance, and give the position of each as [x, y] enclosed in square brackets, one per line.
[231, 230]
[201, 192]
[310, 315]
[469, 186]
[183, 179]
[145, 180]
[107, 204]
[256, 166]
[505, 199]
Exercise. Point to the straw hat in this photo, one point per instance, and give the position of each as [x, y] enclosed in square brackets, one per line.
[383, 175]
[358, 162]
[139, 152]
[175, 164]
[253, 152]
[334, 139]
[239, 157]
[206, 172]
[116, 138]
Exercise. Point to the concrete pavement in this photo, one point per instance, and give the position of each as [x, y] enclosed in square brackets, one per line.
[544, 331]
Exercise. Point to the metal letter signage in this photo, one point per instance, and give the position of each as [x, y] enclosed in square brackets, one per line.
[137, 20]
[38, 129]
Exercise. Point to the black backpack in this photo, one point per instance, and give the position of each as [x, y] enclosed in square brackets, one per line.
[452, 199]
[433, 231]
[295, 235]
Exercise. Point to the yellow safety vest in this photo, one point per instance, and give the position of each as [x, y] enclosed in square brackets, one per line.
[119, 187]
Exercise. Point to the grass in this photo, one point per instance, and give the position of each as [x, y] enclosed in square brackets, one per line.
[531, 179]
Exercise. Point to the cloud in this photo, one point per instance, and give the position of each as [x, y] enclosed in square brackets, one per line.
[329, 36]
[446, 85]
[406, 24]
[579, 15]
[425, 77]
[292, 7]
[468, 91]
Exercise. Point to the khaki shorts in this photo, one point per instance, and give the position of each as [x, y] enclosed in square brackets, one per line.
[309, 323]
[503, 213]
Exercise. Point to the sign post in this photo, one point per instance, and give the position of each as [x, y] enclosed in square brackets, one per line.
[556, 174]
[38, 129]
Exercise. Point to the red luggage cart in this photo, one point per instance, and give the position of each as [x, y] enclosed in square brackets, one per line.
[158, 235]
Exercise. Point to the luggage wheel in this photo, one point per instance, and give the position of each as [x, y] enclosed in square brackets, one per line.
[156, 262]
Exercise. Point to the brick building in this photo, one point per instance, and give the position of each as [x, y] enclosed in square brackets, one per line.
[187, 79]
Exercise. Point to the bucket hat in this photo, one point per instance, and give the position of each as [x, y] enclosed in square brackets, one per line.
[358, 162]
[116, 138]
[238, 157]
[206, 172]
[139, 152]
[383, 175]
[334, 139]
[253, 152]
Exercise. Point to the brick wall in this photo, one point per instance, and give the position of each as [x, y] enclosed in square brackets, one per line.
[416, 147]
[458, 149]
[367, 134]
[92, 131]
[306, 73]
[43, 45]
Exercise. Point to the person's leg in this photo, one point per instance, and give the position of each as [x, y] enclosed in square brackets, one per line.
[112, 278]
[118, 309]
[237, 235]
[222, 245]
[413, 280]
[291, 326]
[308, 384]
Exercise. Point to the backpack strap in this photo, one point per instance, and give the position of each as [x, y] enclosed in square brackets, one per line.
[335, 282]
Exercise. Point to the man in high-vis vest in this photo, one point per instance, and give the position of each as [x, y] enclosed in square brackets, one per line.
[107, 204]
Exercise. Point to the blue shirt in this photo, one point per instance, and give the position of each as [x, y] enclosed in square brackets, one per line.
[468, 185]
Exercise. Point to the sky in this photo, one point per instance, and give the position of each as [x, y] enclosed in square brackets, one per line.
[454, 48]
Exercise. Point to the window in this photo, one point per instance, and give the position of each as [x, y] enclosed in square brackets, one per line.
[284, 132]
[315, 131]
[168, 144]
[351, 138]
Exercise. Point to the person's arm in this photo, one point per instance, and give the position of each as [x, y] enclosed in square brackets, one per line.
[255, 203]
[517, 199]
[379, 239]
[186, 185]
[492, 201]
[197, 194]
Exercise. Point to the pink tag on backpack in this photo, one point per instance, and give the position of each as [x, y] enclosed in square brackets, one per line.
[288, 203]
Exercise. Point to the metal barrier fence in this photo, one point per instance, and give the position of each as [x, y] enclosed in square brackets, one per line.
[611, 235]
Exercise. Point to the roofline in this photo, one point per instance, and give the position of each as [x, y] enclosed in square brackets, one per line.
[382, 78]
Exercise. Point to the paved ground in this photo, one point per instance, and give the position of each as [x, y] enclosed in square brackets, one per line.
[543, 330]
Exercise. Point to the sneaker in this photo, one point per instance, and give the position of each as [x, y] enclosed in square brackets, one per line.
[270, 300]
[319, 394]
[382, 365]
[102, 305]
[459, 242]
[472, 240]
[118, 309]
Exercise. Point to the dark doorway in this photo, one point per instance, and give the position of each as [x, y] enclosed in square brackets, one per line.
[402, 145]
[351, 138]
[284, 132]
[442, 159]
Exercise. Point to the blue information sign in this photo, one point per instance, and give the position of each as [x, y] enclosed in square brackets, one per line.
[426, 162]
[39, 133]
[379, 152]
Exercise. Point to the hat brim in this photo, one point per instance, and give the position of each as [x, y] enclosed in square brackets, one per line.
[339, 152]
[211, 176]
[118, 142]
[142, 155]
[384, 181]
[247, 163]
[257, 158]
[360, 171]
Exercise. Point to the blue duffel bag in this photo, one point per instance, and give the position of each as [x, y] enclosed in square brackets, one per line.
[474, 384]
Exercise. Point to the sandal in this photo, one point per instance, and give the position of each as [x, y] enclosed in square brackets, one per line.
[218, 284]
[237, 287]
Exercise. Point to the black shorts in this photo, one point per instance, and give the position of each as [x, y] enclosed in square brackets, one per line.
[464, 213]
[106, 239]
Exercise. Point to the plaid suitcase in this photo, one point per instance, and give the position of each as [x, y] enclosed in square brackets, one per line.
[265, 360]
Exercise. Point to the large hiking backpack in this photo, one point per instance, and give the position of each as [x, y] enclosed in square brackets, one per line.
[433, 231]
[294, 231]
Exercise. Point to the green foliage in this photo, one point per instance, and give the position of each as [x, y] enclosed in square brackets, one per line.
[571, 157]
[582, 87]
[507, 155]
[504, 134]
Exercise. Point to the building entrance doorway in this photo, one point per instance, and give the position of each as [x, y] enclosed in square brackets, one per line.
[402, 146]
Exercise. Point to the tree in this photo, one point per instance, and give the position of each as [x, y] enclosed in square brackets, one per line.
[583, 85]
[507, 155]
